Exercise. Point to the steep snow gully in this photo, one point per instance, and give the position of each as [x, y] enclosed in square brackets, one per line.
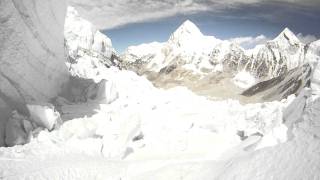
[71, 109]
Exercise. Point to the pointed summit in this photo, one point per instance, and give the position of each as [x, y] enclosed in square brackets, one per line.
[188, 27]
[287, 36]
[187, 31]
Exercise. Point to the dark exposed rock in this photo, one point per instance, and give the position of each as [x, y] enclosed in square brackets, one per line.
[282, 86]
[168, 69]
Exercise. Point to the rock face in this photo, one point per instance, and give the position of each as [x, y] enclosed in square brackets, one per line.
[32, 56]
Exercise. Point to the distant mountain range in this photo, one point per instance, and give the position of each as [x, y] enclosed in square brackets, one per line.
[197, 61]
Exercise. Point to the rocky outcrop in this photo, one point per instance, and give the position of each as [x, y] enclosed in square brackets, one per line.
[32, 56]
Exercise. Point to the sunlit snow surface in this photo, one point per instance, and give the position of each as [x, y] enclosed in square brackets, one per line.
[143, 129]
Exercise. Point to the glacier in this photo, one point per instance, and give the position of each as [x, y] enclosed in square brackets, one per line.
[32, 55]
[113, 117]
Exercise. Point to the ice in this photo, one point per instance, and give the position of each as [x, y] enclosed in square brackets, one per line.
[80, 35]
[107, 92]
[17, 130]
[32, 54]
[44, 115]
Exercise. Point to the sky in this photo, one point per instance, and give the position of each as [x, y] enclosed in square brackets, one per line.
[133, 22]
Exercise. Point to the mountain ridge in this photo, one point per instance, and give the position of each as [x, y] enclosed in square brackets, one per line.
[186, 56]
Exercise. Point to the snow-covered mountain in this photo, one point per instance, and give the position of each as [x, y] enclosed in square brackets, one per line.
[188, 47]
[188, 54]
[279, 55]
[84, 42]
[81, 35]
[179, 49]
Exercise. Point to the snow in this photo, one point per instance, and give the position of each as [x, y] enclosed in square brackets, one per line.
[180, 45]
[287, 43]
[32, 47]
[44, 115]
[125, 128]
[107, 92]
[171, 122]
[81, 35]
[143, 50]
[287, 35]
[244, 80]
[265, 61]
[32, 54]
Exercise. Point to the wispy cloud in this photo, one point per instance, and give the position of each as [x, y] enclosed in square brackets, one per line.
[306, 38]
[110, 14]
[250, 42]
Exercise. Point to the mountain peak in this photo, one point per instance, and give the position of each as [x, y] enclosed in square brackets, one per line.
[287, 35]
[188, 27]
[187, 30]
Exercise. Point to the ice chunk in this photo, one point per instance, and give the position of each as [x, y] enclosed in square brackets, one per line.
[15, 132]
[44, 115]
[107, 92]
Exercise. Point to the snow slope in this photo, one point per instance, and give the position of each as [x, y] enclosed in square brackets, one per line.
[142, 126]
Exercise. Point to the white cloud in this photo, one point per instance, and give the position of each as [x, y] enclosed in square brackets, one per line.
[110, 14]
[250, 42]
[306, 38]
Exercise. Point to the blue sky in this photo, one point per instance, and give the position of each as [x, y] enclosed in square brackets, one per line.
[268, 19]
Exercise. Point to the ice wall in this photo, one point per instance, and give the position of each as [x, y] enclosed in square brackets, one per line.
[32, 56]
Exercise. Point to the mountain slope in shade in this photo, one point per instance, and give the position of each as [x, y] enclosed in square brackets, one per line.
[282, 86]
